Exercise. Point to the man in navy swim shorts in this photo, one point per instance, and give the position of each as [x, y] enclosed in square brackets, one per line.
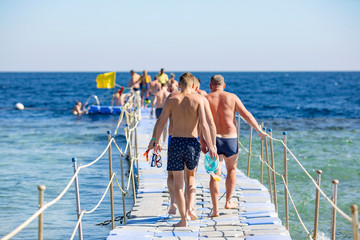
[186, 110]
[224, 106]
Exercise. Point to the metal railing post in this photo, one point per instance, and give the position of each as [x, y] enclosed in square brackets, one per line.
[41, 189]
[136, 155]
[77, 194]
[122, 186]
[249, 156]
[317, 202]
[355, 221]
[286, 183]
[268, 169]
[131, 168]
[262, 158]
[273, 167]
[335, 183]
[238, 126]
[111, 184]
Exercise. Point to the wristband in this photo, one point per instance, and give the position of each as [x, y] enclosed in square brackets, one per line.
[154, 139]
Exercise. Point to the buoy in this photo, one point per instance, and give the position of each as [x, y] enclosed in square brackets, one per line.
[19, 106]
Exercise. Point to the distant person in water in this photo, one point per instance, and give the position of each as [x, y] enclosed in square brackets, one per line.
[119, 98]
[134, 82]
[77, 110]
[223, 106]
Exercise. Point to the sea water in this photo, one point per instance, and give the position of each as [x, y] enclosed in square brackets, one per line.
[319, 110]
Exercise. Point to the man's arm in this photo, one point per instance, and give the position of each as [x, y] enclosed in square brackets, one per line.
[161, 124]
[211, 124]
[205, 130]
[153, 103]
[248, 117]
[210, 120]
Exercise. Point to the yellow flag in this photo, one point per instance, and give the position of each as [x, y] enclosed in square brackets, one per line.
[106, 80]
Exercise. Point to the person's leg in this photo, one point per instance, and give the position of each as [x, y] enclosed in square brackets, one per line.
[180, 200]
[231, 165]
[170, 184]
[215, 189]
[190, 192]
[164, 133]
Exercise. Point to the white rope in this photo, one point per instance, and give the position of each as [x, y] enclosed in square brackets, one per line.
[103, 196]
[77, 225]
[47, 205]
[347, 217]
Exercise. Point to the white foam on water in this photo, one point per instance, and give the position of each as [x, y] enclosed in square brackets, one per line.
[321, 236]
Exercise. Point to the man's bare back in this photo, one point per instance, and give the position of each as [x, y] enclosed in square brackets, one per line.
[154, 87]
[134, 80]
[160, 97]
[223, 108]
[185, 114]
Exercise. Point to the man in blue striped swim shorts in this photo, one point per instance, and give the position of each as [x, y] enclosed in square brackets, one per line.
[186, 111]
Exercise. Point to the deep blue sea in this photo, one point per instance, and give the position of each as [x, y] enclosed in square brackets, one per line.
[319, 110]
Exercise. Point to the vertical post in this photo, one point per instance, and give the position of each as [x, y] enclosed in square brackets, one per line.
[286, 183]
[238, 126]
[131, 168]
[41, 189]
[317, 202]
[77, 194]
[111, 184]
[249, 156]
[355, 221]
[122, 186]
[262, 158]
[268, 169]
[273, 167]
[136, 155]
[335, 182]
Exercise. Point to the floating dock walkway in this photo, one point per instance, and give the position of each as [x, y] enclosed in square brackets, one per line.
[254, 219]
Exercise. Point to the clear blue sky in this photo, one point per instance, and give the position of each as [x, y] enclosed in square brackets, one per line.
[233, 35]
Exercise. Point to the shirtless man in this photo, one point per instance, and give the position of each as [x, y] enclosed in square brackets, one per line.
[173, 85]
[223, 106]
[190, 188]
[201, 92]
[145, 80]
[134, 81]
[154, 87]
[159, 101]
[77, 109]
[190, 183]
[187, 112]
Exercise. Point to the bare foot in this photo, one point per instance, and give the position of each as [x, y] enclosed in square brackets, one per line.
[192, 215]
[215, 214]
[172, 209]
[230, 204]
[181, 224]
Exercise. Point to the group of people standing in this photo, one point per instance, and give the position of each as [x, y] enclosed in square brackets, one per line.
[198, 122]
[149, 87]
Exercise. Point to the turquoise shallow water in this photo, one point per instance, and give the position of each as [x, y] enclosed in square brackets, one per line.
[335, 152]
[320, 112]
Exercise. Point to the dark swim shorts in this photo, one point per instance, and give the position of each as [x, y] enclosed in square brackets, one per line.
[227, 146]
[158, 112]
[183, 150]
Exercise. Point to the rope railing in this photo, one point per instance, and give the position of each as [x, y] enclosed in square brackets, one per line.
[317, 185]
[132, 117]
